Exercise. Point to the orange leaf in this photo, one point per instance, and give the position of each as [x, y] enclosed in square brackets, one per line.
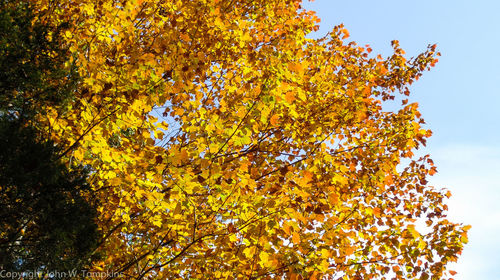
[274, 120]
[290, 97]
[296, 67]
[296, 238]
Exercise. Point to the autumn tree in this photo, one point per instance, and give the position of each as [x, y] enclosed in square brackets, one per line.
[224, 143]
[47, 220]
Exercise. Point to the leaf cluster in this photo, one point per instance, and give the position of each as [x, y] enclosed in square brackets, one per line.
[223, 143]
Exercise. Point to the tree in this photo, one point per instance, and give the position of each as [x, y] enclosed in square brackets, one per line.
[225, 144]
[46, 224]
[32, 62]
[47, 221]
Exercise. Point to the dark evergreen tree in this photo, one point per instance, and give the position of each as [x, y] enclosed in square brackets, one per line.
[47, 214]
[31, 61]
[44, 219]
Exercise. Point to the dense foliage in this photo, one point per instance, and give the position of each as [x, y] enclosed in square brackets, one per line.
[223, 143]
[47, 220]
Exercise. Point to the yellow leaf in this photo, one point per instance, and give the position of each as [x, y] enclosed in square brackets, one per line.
[421, 244]
[249, 251]
[413, 231]
[325, 253]
[233, 238]
[126, 217]
[157, 223]
[264, 257]
[149, 204]
[324, 266]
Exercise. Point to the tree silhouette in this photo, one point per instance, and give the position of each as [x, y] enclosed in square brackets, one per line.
[47, 217]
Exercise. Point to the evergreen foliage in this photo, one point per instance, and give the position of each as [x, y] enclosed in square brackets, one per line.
[46, 220]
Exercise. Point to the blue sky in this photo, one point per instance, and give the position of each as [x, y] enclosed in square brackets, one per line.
[459, 99]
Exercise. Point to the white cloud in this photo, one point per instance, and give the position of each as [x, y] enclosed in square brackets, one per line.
[472, 174]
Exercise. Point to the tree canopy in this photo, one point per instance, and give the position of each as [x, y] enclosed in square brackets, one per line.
[225, 143]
